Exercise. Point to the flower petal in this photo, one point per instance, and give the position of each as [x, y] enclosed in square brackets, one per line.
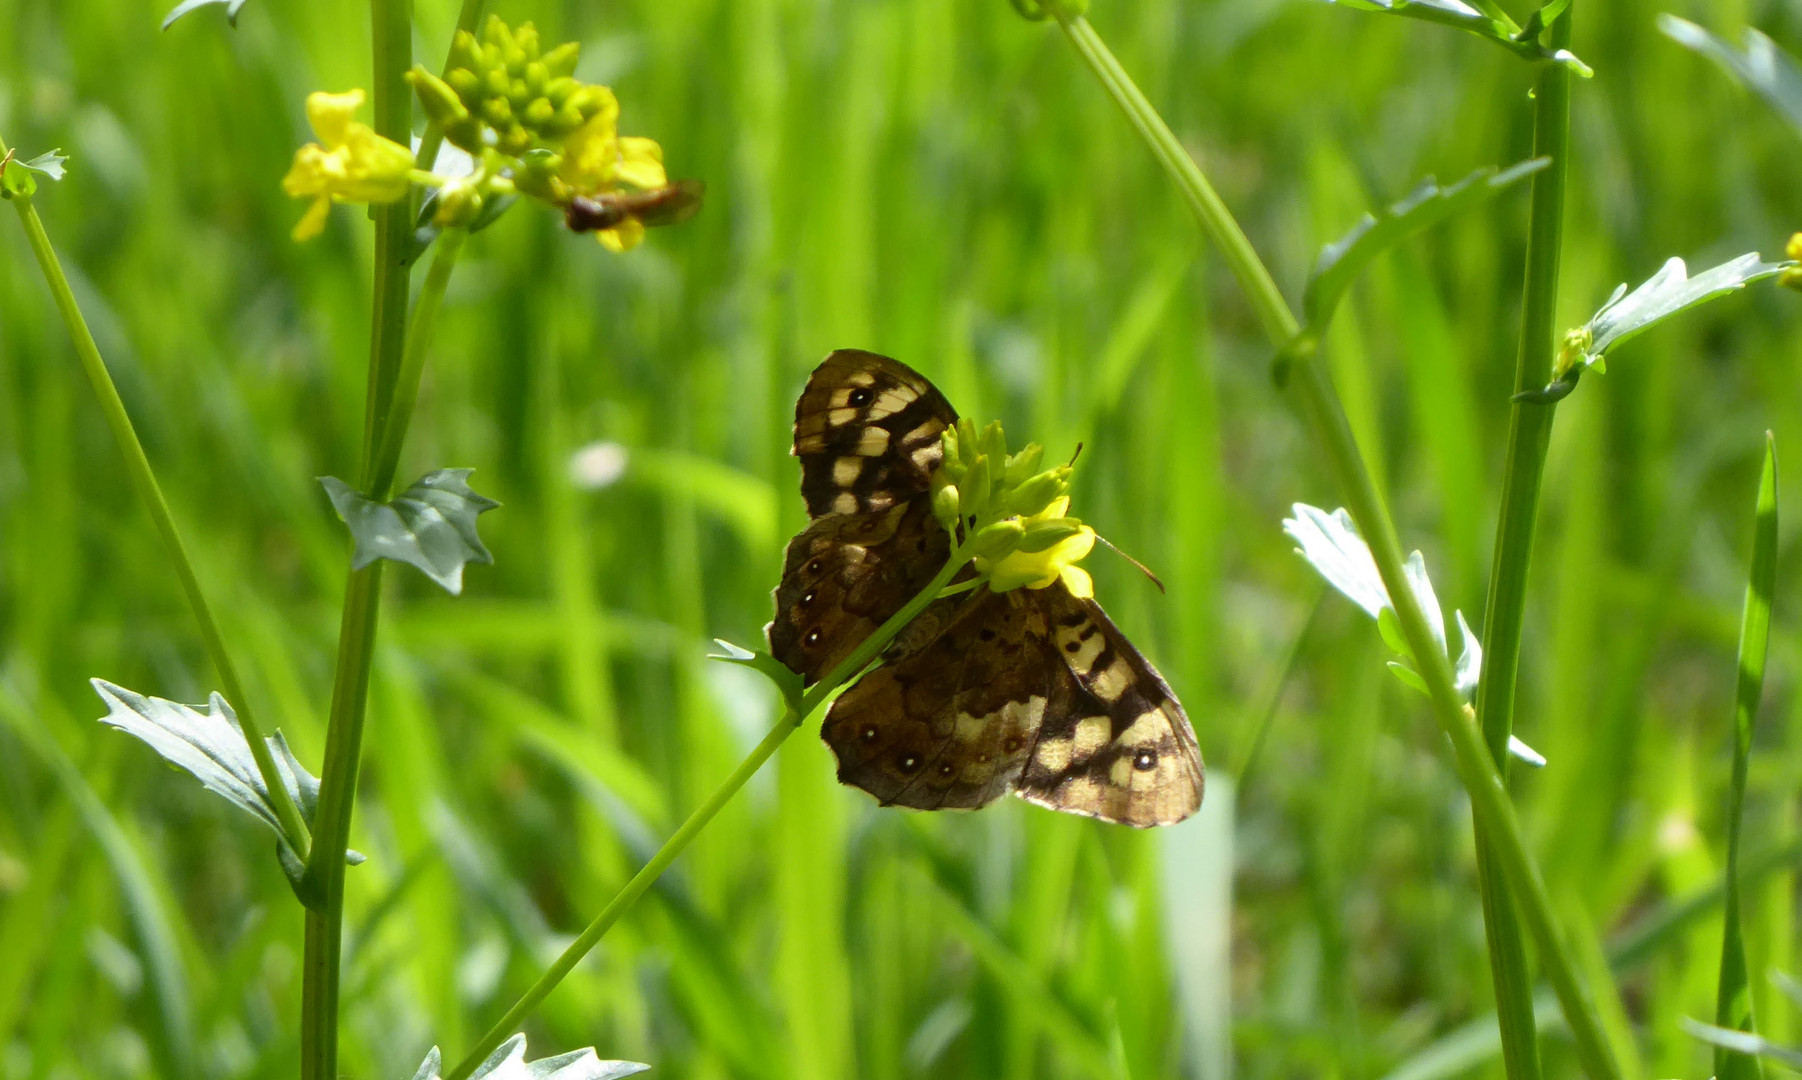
[312, 223]
[622, 237]
[641, 163]
[1078, 581]
[330, 115]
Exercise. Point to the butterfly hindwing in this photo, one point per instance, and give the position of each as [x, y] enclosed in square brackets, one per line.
[1116, 744]
[845, 575]
[950, 716]
[867, 433]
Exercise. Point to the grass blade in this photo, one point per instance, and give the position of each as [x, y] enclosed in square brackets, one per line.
[1733, 1008]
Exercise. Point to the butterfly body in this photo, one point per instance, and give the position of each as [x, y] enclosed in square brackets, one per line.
[1030, 691]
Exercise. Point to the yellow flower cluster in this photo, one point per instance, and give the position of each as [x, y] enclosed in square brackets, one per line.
[1039, 569]
[532, 128]
[349, 163]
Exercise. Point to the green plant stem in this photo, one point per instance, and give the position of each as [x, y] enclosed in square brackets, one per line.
[794, 712]
[391, 27]
[150, 493]
[1216, 220]
[412, 362]
[1320, 408]
[1529, 435]
[433, 136]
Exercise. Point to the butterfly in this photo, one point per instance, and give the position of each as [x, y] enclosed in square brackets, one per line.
[1030, 691]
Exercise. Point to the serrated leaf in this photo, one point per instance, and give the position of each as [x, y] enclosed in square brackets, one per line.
[50, 163]
[787, 681]
[1339, 263]
[1626, 315]
[1462, 16]
[431, 525]
[1764, 68]
[508, 1063]
[207, 742]
[232, 7]
[1331, 544]
[1744, 1043]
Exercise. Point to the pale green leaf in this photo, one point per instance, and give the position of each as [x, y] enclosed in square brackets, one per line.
[508, 1062]
[1461, 16]
[232, 7]
[1764, 68]
[431, 525]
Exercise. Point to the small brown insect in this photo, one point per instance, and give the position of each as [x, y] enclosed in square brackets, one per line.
[659, 206]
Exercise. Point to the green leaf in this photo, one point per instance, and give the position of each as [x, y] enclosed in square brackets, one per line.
[1627, 314]
[207, 742]
[1741, 1042]
[232, 7]
[1461, 16]
[1766, 70]
[1733, 1007]
[1428, 204]
[50, 163]
[1408, 676]
[787, 681]
[431, 525]
[508, 1062]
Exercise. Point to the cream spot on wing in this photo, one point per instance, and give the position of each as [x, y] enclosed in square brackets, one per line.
[1082, 794]
[873, 441]
[1092, 733]
[1110, 684]
[926, 457]
[845, 471]
[810, 444]
[861, 378]
[1054, 754]
[890, 402]
[1147, 728]
[928, 430]
[1087, 650]
[969, 728]
[841, 417]
[1122, 773]
[845, 503]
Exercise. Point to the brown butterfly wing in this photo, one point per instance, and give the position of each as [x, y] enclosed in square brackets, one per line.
[1032, 691]
[867, 433]
[845, 575]
[950, 716]
[1115, 744]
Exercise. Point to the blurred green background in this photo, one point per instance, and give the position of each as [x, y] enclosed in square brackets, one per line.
[941, 181]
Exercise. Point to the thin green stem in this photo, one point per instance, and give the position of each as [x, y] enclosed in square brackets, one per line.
[322, 886]
[150, 493]
[433, 136]
[1320, 408]
[412, 362]
[1216, 220]
[1529, 435]
[794, 712]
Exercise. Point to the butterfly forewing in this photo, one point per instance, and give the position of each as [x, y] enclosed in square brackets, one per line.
[867, 432]
[1033, 690]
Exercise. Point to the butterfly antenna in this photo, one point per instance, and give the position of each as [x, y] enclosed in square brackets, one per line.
[1143, 569]
[1073, 456]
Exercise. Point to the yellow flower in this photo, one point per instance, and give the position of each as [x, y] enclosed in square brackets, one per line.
[597, 159]
[1038, 569]
[349, 163]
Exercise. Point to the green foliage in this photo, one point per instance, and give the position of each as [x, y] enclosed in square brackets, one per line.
[431, 525]
[1490, 26]
[208, 743]
[937, 180]
[1761, 66]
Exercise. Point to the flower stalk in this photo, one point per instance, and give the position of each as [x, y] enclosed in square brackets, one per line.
[1529, 436]
[150, 493]
[795, 710]
[1320, 408]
